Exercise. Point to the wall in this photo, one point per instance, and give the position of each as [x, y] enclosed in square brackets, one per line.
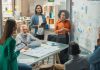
[85, 18]
[25, 7]
[68, 5]
[0, 17]
[33, 3]
[18, 5]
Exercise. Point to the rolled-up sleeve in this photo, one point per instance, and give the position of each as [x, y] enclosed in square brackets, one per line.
[11, 54]
[95, 57]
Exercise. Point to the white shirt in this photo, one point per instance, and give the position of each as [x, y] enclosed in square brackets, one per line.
[40, 20]
[40, 30]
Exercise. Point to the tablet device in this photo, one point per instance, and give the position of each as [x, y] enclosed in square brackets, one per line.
[20, 46]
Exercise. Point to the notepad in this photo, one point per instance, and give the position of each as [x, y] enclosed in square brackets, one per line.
[26, 61]
[19, 47]
[40, 51]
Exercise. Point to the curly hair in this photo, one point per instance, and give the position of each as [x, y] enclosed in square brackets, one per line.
[66, 13]
[74, 48]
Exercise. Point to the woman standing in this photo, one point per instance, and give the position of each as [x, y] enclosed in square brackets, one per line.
[8, 58]
[38, 20]
[62, 28]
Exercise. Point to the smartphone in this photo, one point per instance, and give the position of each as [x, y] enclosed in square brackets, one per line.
[20, 46]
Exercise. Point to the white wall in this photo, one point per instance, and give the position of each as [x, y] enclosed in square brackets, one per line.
[62, 5]
[0, 18]
[68, 5]
[85, 18]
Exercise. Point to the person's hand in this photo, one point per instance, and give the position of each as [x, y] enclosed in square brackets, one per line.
[66, 29]
[61, 30]
[36, 26]
[23, 50]
[26, 48]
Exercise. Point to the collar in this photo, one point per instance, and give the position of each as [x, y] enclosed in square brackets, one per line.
[75, 57]
[62, 21]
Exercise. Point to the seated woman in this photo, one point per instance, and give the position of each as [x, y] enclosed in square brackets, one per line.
[26, 39]
[77, 62]
[94, 59]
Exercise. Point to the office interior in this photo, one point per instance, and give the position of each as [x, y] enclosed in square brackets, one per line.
[84, 18]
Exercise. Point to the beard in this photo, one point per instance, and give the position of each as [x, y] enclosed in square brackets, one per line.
[24, 34]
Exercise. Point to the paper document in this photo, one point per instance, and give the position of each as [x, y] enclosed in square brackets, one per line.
[40, 51]
[19, 47]
[26, 61]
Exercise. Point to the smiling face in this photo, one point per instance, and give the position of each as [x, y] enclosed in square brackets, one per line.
[38, 9]
[25, 29]
[62, 16]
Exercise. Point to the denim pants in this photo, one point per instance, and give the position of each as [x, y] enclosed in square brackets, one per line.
[22, 66]
[63, 55]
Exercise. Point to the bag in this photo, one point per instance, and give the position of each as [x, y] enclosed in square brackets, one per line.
[52, 37]
[40, 31]
[61, 39]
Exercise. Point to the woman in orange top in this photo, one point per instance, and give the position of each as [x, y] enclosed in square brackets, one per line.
[62, 28]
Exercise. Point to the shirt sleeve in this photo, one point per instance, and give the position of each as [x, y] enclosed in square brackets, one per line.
[32, 38]
[11, 54]
[68, 27]
[34, 41]
[56, 28]
[32, 22]
[95, 57]
[18, 40]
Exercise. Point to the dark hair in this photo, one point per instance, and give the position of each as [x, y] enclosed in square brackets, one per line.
[66, 13]
[74, 48]
[8, 29]
[98, 40]
[40, 7]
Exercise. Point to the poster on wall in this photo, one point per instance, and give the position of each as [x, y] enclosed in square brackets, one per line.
[51, 0]
[7, 8]
[86, 22]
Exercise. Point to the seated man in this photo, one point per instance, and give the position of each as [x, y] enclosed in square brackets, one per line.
[26, 39]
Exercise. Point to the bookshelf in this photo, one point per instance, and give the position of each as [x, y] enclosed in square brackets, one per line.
[51, 12]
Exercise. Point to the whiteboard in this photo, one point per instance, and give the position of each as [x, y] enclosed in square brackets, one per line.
[85, 18]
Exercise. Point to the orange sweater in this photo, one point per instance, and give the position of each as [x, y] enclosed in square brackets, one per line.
[62, 27]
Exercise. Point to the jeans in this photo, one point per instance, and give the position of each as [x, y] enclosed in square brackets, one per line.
[22, 66]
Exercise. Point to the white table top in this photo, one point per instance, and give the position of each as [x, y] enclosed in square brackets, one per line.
[27, 59]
